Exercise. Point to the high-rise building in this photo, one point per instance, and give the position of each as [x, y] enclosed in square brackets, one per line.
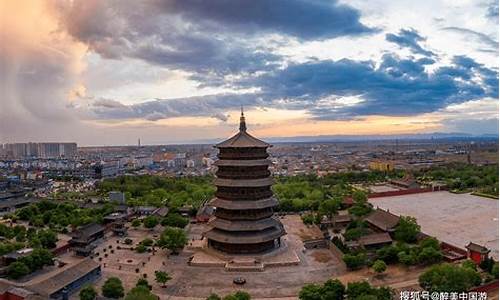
[244, 201]
[42, 150]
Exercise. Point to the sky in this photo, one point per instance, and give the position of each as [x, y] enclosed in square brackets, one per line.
[107, 72]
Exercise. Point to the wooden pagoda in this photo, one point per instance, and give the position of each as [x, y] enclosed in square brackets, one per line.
[243, 222]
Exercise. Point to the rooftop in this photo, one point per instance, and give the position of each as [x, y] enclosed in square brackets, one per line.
[382, 219]
[67, 275]
[242, 139]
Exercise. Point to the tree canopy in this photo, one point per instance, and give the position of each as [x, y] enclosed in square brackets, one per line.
[113, 288]
[449, 278]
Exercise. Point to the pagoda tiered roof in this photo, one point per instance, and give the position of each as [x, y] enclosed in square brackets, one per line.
[249, 237]
[244, 182]
[244, 225]
[242, 163]
[243, 221]
[243, 204]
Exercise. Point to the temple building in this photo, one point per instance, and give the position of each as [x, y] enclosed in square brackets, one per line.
[243, 221]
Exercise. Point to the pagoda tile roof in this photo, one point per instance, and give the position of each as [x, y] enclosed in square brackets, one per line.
[245, 237]
[241, 225]
[241, 204]
[244, 182]
[242, 140]
[243, 163]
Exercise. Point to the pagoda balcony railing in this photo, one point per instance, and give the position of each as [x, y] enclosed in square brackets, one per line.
[242, 156]
[248, 196]
[243, 175]
[246, 215]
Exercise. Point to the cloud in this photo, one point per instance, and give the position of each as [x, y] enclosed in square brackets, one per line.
[492, 10]
[211, 39]
[303, 19]
[157, 109]
[221, 117]
[409, 38]
[395, 87]
[478, 36]
[40, 66]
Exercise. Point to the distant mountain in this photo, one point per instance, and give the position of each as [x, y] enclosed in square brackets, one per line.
[379, 137]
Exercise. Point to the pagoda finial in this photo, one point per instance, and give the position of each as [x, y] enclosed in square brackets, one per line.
[243, 125]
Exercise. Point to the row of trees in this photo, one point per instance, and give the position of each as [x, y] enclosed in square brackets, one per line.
[113, 289]
[335, 290]
[15, 237]
[465, 177]
[59, 215]
[158, 191]
[172, 220]
[30, 263]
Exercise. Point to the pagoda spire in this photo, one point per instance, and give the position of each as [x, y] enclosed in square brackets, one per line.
[243, 125]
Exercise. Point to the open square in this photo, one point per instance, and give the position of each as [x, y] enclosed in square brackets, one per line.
[453, 218]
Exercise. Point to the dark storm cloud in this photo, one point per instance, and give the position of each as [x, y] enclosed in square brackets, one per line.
[157, 109]
[395, 87]
[409, 38]
[210, 38]
[303, 19]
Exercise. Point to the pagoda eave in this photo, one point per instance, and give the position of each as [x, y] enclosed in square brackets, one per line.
[242, 163]
[261, 182]
[243, 205]
[244, 225]
[245, 237]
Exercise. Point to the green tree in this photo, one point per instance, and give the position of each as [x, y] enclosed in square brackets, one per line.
[136, 223]
[143, 282]
[172, 239]
[329, 207]
[87, 293]
[239, 295]
[17, 270]
[48, 238]
[407, 258]
[311, 292]
[113, 288]
[494, 270]
[407, 230]
[162, 277]
[429, 255]
[355, 261]
[213, 296]
[140, 292]
[140, 248]
[174, 220]
[333, 290]
[356, 289]
[449, 278]
[150, 222]
[379, 266]
[469, 264]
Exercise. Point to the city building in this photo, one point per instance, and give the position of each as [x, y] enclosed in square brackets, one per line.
[244, 222]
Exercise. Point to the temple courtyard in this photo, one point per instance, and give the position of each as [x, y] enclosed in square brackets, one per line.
[453, 218]
[315, 265]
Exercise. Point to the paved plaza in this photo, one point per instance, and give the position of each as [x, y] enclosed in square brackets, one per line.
[453, 218]
[316, 265]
